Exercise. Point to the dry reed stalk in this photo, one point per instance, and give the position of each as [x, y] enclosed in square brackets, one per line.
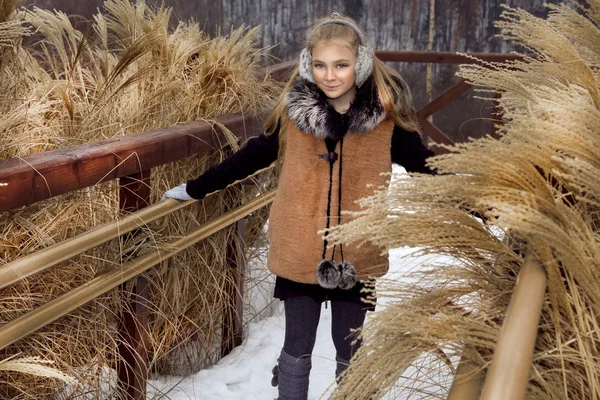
[537, 187]
[127, 73]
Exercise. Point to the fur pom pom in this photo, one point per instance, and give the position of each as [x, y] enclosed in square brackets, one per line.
[328, 274]
[347, 275]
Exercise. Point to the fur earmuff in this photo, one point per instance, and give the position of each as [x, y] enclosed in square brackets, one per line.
[364, 65]
[328, 274]
[347, 275]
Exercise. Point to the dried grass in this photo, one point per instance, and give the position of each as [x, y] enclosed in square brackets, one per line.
[127, 73]
[537, 186]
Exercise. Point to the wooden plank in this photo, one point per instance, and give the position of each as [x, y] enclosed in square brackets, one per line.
[26, 180]
[443, 99]
[440, 57]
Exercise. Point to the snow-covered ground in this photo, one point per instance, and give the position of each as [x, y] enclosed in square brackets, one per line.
[246, 372]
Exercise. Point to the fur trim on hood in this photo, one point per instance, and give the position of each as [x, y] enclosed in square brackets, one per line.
[308, 108]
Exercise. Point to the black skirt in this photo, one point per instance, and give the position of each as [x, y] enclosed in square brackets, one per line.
[285, 288]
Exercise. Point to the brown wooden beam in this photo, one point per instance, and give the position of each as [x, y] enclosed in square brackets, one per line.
[440, 57]
[433, 132]
[29, 179]
[280, 72]
[443, 99]
[134, 192]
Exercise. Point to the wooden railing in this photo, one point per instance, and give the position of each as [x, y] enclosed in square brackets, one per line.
[509, 372]
[130, 159]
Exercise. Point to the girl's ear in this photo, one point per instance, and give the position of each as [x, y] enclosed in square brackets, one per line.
[364, 65]
[305, 65]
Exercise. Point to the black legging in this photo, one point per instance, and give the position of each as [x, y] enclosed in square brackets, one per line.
[302, 315]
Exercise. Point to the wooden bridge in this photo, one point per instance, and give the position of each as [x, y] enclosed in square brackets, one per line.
[41, 176]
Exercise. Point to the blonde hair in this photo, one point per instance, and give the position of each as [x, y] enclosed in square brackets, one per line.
[394, 94]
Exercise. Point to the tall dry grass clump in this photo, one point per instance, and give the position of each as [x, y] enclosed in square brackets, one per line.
[538, 189]
[127, 72]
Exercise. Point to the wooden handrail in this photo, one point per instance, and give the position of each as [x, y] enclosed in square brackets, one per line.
[441, 57]
[51, 311]
[41, 260]
[508, 375]
[282, 71]
[26, 180]
[467, 381]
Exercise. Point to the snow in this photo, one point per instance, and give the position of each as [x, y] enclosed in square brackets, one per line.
[246, 372]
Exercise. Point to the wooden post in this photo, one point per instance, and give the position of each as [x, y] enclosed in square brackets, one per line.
[233, 322]
[134, 194]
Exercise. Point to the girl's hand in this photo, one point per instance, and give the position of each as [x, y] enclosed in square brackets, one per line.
[178, 193]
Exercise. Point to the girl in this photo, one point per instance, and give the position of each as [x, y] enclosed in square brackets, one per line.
[341, 121]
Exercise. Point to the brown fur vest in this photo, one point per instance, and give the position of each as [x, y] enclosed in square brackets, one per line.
[299, 210]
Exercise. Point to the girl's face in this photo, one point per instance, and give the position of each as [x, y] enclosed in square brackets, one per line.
[333, 69]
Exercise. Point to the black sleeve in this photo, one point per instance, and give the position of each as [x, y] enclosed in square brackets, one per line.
[409, 151]
[258, 153]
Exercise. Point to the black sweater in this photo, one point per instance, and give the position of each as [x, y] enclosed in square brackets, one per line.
[407, 150]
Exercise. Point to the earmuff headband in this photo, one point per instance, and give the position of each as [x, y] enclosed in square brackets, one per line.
[364, 58]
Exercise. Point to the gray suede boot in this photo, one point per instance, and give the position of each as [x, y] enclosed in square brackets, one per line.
[292, 376]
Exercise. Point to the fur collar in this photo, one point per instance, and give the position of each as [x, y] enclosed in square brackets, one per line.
[308, 108]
